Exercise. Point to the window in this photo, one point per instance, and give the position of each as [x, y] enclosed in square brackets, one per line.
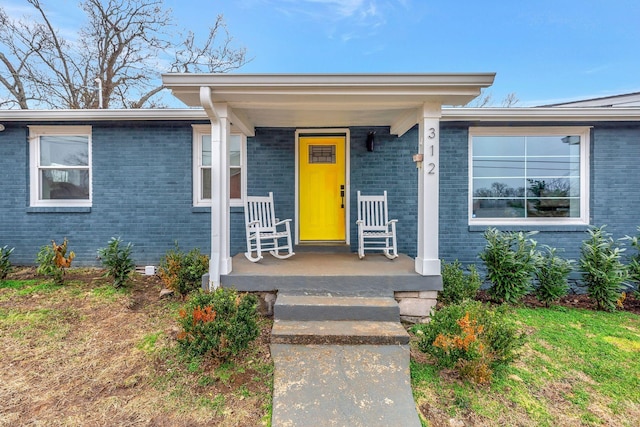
[528, 175]
[202, 167]
[60, 165]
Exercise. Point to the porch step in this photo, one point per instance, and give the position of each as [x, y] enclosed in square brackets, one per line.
[340, 360]
[345, 332]
[335, 308]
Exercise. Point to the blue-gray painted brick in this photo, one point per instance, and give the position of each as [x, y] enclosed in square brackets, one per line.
[143, 190]
[614, 193]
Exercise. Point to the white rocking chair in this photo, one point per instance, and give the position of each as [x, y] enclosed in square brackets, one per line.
[375, 231]
[262, 233]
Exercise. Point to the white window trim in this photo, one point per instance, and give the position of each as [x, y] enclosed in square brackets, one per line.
[582, 131]
[35, 132]
[198, 132]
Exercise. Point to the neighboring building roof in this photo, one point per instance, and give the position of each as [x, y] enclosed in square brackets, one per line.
[617, 101]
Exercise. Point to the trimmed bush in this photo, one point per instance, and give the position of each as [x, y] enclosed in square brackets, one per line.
[602, 269]
[634, 261]
[5, 263]
[552, 273]
[456, 285]
[473, 338]
[511, 260]
[183, 272]
[117, 260]
[53, 261]
[221, 323]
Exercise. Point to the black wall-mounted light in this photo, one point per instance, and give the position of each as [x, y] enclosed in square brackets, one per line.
[370, 140]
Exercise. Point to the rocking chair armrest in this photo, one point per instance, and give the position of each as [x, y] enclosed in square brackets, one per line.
[392, 221]
[253, 223]
[359, 221]
[284, 221]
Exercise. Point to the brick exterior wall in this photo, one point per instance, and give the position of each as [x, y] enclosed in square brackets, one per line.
[271, 167]
[389, 167]
[614, 193]
[142, 190]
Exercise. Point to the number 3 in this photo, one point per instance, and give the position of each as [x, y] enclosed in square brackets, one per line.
[432, 133]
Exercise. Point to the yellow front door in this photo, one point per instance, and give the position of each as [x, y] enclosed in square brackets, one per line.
[322, 188]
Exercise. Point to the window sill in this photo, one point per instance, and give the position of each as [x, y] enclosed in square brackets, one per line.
[59, 209]
[532, 227]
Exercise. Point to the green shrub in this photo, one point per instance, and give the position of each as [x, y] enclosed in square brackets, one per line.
[221, 323]
[456, 285]
[117, 260]
[634, 261]
[602, 269]
[511, 260]
[552, 273]
[183, 272]
[473, 338]
[5, 263]
[53, 261]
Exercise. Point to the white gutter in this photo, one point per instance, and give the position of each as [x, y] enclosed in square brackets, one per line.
[531, 114]
[556, 114]
[103, 115]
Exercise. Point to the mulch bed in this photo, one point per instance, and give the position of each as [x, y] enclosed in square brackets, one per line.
[631, 302]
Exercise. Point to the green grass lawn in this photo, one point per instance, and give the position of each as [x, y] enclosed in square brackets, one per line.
[578, 367]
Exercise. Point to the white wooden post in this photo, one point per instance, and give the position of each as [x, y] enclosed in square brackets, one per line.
[220, 261]
[427, 260]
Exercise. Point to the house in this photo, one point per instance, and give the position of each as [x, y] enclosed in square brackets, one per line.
[150, 176]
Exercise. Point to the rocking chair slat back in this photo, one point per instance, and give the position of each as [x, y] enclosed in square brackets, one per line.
[373, 211]
[375, 230]
[262, 229]
[260, 209]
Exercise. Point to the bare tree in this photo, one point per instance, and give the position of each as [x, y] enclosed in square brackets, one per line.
[486, 100]
[125, 44]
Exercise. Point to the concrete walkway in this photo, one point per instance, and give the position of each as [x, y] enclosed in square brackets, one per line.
[342, 385]
[340, 361]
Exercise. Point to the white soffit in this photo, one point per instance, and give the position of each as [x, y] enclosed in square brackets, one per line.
[336, 100]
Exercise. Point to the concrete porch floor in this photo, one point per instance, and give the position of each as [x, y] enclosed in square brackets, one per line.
[339, 273]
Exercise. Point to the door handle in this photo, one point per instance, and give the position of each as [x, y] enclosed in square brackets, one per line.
[342, 196]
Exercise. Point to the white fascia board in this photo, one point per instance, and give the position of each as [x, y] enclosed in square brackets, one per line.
[540, 114]
[260, 90]
[101, 115]
[326, 80]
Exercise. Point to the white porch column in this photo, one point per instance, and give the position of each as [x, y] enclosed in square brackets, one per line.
[220, 261]
[427, 260]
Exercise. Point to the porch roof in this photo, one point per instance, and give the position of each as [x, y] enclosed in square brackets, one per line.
[329, 100]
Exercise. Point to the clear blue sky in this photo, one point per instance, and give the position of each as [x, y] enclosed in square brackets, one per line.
[543, 50]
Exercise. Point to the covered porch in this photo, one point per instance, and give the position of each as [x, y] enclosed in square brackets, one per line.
[329, 105]
[337, 273]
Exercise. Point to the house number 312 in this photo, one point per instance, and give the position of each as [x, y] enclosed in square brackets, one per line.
[432, 166]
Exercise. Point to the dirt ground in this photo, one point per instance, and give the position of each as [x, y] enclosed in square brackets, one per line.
[84, 355]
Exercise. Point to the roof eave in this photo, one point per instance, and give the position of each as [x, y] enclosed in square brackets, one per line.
[538, 114]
